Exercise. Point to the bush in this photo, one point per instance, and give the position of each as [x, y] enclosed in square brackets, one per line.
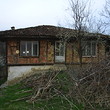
[92, 85]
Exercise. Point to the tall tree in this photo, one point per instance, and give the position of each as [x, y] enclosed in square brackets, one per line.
[80, 14]
[106, 14]
[106, 11]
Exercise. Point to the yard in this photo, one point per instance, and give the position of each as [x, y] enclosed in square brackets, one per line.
[17, 97]
[60, 90]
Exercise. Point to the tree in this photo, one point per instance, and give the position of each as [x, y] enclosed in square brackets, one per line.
[106, 14]
[84, 24]
[106, 11]
[80, 14]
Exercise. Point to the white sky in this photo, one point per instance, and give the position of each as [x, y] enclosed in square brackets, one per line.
[27, 13]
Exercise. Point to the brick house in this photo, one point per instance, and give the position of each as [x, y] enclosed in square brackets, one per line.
[37, 48]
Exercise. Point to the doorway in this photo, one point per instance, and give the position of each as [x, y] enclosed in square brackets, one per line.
[59, 52]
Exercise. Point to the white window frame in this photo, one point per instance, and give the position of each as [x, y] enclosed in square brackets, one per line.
[91, 47]
[26, 51]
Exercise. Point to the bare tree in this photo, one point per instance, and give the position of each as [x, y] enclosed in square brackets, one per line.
[106, 11]
[106, 18]
[80, 14]
[84, 24]
[106, 14]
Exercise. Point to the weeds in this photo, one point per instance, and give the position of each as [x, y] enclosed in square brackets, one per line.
[89, 89]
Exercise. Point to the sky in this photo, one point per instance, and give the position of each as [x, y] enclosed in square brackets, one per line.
[30, 13]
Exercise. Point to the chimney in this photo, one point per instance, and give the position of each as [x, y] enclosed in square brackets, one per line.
[12, 28]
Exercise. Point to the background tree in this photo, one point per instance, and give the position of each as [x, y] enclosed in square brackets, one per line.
[80, 15]
[106, 18]
[106, 11]
[84, 24]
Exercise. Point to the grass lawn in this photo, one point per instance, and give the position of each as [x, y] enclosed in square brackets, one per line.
[12, 93]
[9, 97]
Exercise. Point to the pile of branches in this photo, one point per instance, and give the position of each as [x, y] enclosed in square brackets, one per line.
[92, 84]
[89, 86]
[46, 85]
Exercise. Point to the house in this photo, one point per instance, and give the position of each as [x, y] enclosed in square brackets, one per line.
[41, 47]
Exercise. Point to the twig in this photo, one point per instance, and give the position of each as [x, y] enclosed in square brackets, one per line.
[23, 98]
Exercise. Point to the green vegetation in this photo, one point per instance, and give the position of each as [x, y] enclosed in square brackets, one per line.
[57, 92]
[11, 98]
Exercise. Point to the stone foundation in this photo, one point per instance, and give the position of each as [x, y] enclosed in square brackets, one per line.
[17, 73]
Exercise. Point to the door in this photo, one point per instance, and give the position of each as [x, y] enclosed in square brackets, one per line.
[59, 51]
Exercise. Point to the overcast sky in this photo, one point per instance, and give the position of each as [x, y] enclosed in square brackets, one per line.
[27, 13]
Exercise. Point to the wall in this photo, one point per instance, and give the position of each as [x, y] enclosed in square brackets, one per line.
[100, 54]
[69, 53]
[72, 56]
[16, 73]
[46, 54]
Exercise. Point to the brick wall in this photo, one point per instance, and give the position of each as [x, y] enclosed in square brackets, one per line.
[99, 55]
[45, 55]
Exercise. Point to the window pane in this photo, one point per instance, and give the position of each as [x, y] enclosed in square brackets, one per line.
[84, 51]
[29, 49]
[89, 49]
[57, 48]
[35, 49]
[61, 49]
[23, 49]
[93, 48]
[88, 53]
[83, 46]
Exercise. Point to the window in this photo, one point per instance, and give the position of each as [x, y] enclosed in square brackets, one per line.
[89, 48]
[29, 48]
[60, 48]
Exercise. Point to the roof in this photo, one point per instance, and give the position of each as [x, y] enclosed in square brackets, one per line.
[32, 32]
[44, 31]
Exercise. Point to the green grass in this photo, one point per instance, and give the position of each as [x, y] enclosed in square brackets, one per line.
[14, 92]
[58, 102]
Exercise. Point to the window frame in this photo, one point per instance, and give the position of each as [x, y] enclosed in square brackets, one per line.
[57, 50]
[32, 54]
[91, 49]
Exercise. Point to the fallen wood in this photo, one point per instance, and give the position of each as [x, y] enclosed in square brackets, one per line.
[21, 99]
[24, 91]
